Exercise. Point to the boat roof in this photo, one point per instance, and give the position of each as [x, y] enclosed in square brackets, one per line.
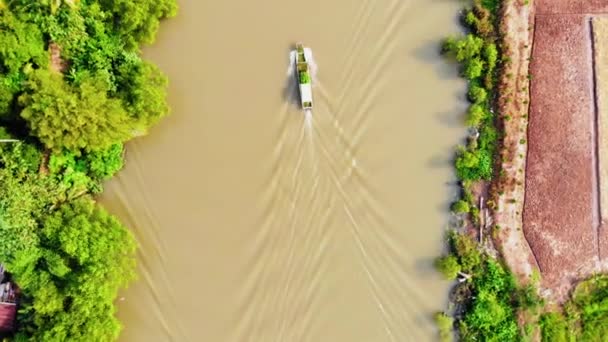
[306, 92]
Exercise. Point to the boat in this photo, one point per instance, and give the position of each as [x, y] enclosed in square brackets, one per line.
[303, 77]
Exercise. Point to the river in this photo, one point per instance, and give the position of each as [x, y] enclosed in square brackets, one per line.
[259, 223]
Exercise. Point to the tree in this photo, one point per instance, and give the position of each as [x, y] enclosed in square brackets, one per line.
[21, 47]
[103, 164]
[476, 114]
[448, 266]
[75, 118]
[461, 207]
[477, 94]
[85, 257]
[137, 21]
[445, 324]
[490, 53]
[473, 68]
[143, 89]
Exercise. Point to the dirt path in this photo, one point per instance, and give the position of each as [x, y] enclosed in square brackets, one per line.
[508, 194]
[57, 63]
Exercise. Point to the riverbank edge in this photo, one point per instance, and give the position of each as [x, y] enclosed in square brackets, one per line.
[517, 30]
[495, 218]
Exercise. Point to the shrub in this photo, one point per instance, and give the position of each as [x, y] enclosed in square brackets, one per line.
[445, 324]
[553, 328]
[477, 94]
[103, 164]
[448, 266]
[476, 114]
[490, 53]
[62, 116]
[473, 68]
[461, 207]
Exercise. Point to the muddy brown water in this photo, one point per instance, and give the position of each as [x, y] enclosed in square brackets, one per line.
[259, 223]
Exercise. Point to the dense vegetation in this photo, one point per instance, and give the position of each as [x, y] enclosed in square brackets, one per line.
[585, 316]
[486, 297]
[73, 90]
[478, 56]
[486, 301]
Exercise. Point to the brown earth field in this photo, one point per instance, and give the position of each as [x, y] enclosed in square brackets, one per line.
[560, 7]
[561, 209]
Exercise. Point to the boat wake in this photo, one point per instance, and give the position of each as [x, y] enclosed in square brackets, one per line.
[308, 118]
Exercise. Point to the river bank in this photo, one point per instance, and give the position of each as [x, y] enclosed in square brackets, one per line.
[549, 244]
[73, 88]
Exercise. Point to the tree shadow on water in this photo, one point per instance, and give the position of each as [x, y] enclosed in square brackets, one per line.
[430, 53]
[452, 118]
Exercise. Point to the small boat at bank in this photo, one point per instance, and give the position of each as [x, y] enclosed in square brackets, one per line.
[303, 77]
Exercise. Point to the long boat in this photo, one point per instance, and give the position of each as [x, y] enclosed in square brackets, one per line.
[303, 77]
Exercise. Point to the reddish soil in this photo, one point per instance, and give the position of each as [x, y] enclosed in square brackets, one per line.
[508, 193]
[561, 7]
[57, 63]
[561, 211]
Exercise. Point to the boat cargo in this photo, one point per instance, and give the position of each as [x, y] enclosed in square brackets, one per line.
[303, 76]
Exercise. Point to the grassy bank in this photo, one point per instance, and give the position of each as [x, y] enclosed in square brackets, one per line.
[70, 115]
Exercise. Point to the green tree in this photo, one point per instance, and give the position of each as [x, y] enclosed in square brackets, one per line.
[448, 266]
[21, 47]
[476, 114]
[490, 53]
[461, 207]
[553, 328]
[477, 94]
[445, 324]
[473, 68]
[103, 164]
[137, 21]
[75, 118]
[85, 257]
[143, 89]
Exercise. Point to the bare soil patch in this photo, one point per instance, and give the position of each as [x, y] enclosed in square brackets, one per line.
[508, 192]
[594, 6]
[560, 7]
[561, 204]
[57, 63]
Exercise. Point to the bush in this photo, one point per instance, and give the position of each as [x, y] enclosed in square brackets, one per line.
[477, 94]
[553, 328]
[445, 324]
[476, 114]
[103, 164]
[68, 256]
[68, 117]
[465, 249]
[84, 257]
[460, 207]
[448, 266]
[490, 53]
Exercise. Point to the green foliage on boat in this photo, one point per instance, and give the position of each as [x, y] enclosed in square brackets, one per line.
[304, 77]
